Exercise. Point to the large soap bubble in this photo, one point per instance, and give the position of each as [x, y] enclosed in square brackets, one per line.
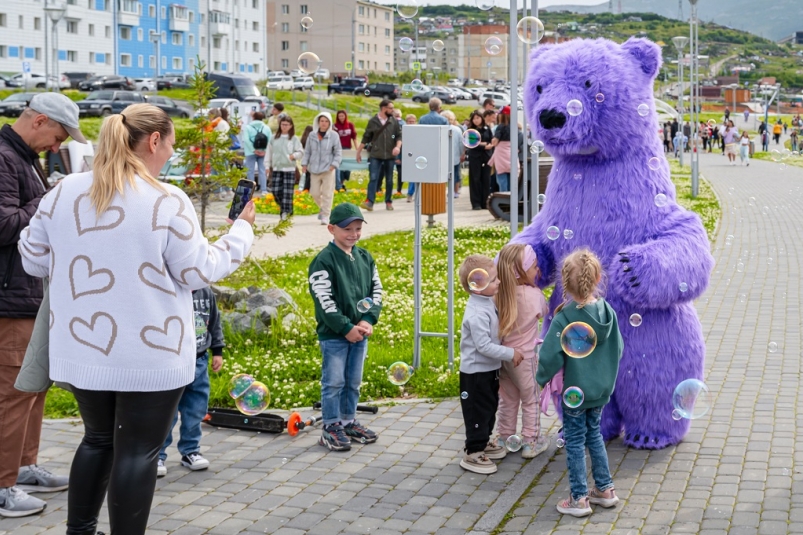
[573, 397]
[407, 9]
[239, 384]
[578, 339]
[691, 400]
[406, 44]
[471, 138]
[364, 305]
[308, 62]
[254, 400]
[513, 443]
[530, 30]
[399, 373]
[493, 45]
[478, 280]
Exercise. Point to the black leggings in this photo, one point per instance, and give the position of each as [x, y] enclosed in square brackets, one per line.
[123, 432]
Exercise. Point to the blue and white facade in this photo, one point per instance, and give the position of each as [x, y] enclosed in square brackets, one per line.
[136, 38]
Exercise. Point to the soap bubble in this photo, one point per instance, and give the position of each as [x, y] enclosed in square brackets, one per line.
[600, 98]
[635, 320]
[478, 280]
[577, 176]
[471, 138]
[407, 9]
[553, 233]
[364, 305]
[729, 239]
[421, 163]
[308, 62]
[559, 443]
[712, 122]
[660, 200]
[437, 46]
[541, 198]
[463, 395]
[399, 373]
[676, 414]
[691, 399]
[765, 210]
[643, 110]
[751, 201]
[573, 397]
[530, 30]
[683, 287]
[537, 147]
[782, 167]
[485, 5]
[254, 400]
[654, 163]
[367, 92]
[493, 45]
[578, 339]
[417, 85]
[239, 384]
[740, 267]
[772, 347]
[775, 155]
[306, 22]
[513, 443]
[406, 44]
[574, 107]
[568, 234]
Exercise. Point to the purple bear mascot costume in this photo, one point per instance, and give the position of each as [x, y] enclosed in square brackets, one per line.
[610, 185]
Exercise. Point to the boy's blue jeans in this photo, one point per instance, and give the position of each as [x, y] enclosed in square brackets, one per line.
[192, 406]
[341, 378]
[581, 430]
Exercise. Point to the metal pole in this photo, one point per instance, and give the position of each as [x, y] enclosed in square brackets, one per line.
[417, 278]
[513, 50]
[208, 40]
[525, 190]
[536, 167]
[55, 87]
[450, 252]
[47, 52]
[353, 24]
[682, 116]
[695, 156]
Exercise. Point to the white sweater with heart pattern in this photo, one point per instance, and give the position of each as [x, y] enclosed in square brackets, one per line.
[121, 284]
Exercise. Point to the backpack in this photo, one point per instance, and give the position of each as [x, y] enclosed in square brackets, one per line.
[260, 141]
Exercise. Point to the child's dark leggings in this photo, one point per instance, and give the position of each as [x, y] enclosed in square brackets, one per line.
[479, 399]
[123, 434]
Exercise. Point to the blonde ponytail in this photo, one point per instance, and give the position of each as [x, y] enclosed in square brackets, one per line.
[508, 267]
[116, 161]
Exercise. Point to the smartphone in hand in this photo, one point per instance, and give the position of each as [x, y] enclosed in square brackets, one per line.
[242, 194]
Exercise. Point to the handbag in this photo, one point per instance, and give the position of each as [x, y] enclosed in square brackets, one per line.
[34, 375]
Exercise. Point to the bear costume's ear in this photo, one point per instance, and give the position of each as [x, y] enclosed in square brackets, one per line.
[539, 50]
[646, 53]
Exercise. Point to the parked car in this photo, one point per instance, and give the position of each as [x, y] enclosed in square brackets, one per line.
[234, 86]
[380, 89]
[500, 99]
[107, 81]
[105, 102]
[446, 98]
[76, 78]
[295, 73]
[172, 82]
[145, 84]
[303, 82]
[276, 73]
[9, 82]
[282, 83]
[13, 105]
[39, 81]
[408, 88]
[346, 85]
[321, 74]
[169, 106]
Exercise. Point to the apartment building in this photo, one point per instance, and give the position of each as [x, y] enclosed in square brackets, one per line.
[474, 61]
[342, 31]
[137, 38]
[446, 60]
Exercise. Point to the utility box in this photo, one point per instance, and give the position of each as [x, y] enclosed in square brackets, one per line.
[425, 153]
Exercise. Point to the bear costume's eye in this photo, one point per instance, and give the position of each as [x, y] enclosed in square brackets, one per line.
[539, 89]
[588, 84]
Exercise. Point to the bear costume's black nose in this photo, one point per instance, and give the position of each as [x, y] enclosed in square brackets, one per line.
[550, 119]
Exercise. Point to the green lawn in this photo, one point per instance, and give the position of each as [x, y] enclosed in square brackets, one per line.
[288, 361]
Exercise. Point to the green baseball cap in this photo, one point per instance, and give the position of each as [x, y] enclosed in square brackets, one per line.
[344, 213]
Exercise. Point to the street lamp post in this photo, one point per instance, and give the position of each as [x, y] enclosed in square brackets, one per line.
[156, 38]
[680, 44]
[695, 100]
[55, 13]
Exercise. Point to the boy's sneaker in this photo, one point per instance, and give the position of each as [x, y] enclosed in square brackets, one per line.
[161, 469]
[194, 461]
[478, 462]
[495, 449]
[334, 437]
[34, 478]
[15, 502]
[359, 433]
[576, 508]
[533, 449]
[607, 498]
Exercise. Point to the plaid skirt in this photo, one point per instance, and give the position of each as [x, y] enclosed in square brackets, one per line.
[282, 187]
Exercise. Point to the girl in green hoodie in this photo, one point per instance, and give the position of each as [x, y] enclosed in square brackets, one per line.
[590, 363]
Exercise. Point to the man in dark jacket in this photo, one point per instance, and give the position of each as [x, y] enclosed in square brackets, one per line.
[49, 120]
[384, 134]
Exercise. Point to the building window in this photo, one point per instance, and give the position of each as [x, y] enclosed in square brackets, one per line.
[91, 30]
[108, 32]
[216, 42]
[374, 12]
[303, 46]
[387, 32]
[164, 62]
[191, 64]
[387, 16]
[21, 22]
[139, 8]
[37, 23]
[387, 50]
[216, 66]
[254, 4]
[285, 27]
[203, 41]
[152, 11]
[125, 60]
[2, 20]
[237, 23]
[140, 61]
[152, 62]
[361, 65]
[3, 51]
[304, 9]
[125, 33]
[303, 29]
[361, 47]
[202, 18]
[285, 9]
[177, 38]
[164, 38]
[164, 12]
[38, 54]
[254, 47]
[255, 26]
[387, 67]
[362, 29]
[285, 63]
[178, 64]
[361, 10]
[72, 26]
[107, 59]
[191, 15]
[191, 40]
[285, 45]
[139, 34]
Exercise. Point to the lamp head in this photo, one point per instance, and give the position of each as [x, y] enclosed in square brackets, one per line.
[56, 12]
[680, 42]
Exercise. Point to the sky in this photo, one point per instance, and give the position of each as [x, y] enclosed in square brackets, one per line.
[501, 3]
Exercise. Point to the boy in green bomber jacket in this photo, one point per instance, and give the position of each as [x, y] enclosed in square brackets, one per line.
[590, 363]
[345, 287]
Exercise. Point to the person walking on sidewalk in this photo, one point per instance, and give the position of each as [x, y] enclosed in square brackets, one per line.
[382, 139]
[744, 148]
[322, 157]
[49, 120]
[348, 139]
[284, 152]
[777, 130]
[479, 172]
[256, 136]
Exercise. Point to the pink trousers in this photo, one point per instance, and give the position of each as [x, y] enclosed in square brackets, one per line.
[517, 388]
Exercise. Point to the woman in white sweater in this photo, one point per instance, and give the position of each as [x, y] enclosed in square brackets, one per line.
[124, 252]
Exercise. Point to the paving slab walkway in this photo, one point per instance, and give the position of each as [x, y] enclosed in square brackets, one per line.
[736, 471]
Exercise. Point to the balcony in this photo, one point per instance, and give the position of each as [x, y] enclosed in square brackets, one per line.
[179, 19]
[127, 13]
[219, 23]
